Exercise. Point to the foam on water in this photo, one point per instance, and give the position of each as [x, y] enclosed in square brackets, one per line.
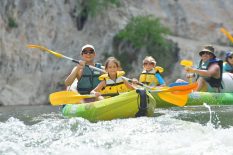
[158, 135]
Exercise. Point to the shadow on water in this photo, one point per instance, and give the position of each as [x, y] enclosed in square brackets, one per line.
[29, 114]
[220, 116]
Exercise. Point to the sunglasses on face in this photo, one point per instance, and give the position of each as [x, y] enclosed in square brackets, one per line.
[230, 57]
[204, 52]
[88, 52]
[148, 63]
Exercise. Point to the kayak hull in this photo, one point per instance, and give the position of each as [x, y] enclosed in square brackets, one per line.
[122, 106]
[198, 98]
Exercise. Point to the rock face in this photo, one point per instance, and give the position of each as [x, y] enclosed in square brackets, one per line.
[27, 76]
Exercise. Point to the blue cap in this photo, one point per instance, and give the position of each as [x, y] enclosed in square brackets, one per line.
[229, 53]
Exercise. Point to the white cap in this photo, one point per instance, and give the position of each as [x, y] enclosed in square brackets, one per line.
[88, 46]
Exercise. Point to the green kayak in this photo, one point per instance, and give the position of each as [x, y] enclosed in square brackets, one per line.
[198, 98]
[131, 104]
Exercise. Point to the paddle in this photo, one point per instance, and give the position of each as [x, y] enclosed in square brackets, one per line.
[70, 97]
[95, 68]
[229, 36]
[62, 56]
[187, 63]
[182, 97]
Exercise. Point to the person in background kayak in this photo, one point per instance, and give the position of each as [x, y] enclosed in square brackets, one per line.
[87, 77]
[112, 82]
[151, 74]
[209, 71]
[228, 64]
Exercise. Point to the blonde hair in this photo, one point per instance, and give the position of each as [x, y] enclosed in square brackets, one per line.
[149, 59]
[114, 60]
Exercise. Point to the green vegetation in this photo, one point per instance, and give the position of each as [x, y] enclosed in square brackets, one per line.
[86, 8]
[144, 35]
[12, 23]
[94, 7]
[142, 31]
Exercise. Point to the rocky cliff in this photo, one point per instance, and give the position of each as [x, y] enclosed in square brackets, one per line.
[27, 76]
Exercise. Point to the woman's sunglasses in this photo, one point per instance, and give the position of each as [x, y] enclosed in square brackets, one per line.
[204, 52]
[230, 57]
[88, 52]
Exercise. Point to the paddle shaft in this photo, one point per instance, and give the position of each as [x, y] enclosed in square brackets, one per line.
[62, 56]
[77, 61]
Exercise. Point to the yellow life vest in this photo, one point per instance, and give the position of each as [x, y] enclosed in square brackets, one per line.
[159, 69]
[149, 78]
[112, 86]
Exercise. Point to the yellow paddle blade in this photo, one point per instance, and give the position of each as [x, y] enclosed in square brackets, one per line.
[177, 95]
[227, 34]
[45, 49]
[186, 63]
[66, 97]
[178, 100]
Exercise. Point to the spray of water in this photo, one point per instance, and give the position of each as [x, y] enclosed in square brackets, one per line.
[208, 107]
[214, 119]
[209, 123]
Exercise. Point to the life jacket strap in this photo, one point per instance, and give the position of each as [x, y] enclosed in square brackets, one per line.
[144, 100]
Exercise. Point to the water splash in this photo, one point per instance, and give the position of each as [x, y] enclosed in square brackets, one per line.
[214, 119]
[208, 107]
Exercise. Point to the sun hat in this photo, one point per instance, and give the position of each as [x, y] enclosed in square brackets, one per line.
[88, 46]
[208, 48]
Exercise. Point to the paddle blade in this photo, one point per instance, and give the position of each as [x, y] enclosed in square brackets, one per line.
[45, 49]
[178, 100]
[226, 33]
[66, 97]
[186, 63]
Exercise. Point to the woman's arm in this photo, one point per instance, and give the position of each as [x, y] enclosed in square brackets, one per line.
[211, 72]
[75, 73]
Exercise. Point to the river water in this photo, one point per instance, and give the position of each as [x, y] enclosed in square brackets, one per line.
[42, 130]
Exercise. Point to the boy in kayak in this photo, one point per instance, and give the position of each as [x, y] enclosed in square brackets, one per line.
[87, 78]
[151, 74]
[113, 81]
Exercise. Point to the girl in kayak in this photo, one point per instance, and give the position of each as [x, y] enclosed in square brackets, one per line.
[151, 73]
[113, 81]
